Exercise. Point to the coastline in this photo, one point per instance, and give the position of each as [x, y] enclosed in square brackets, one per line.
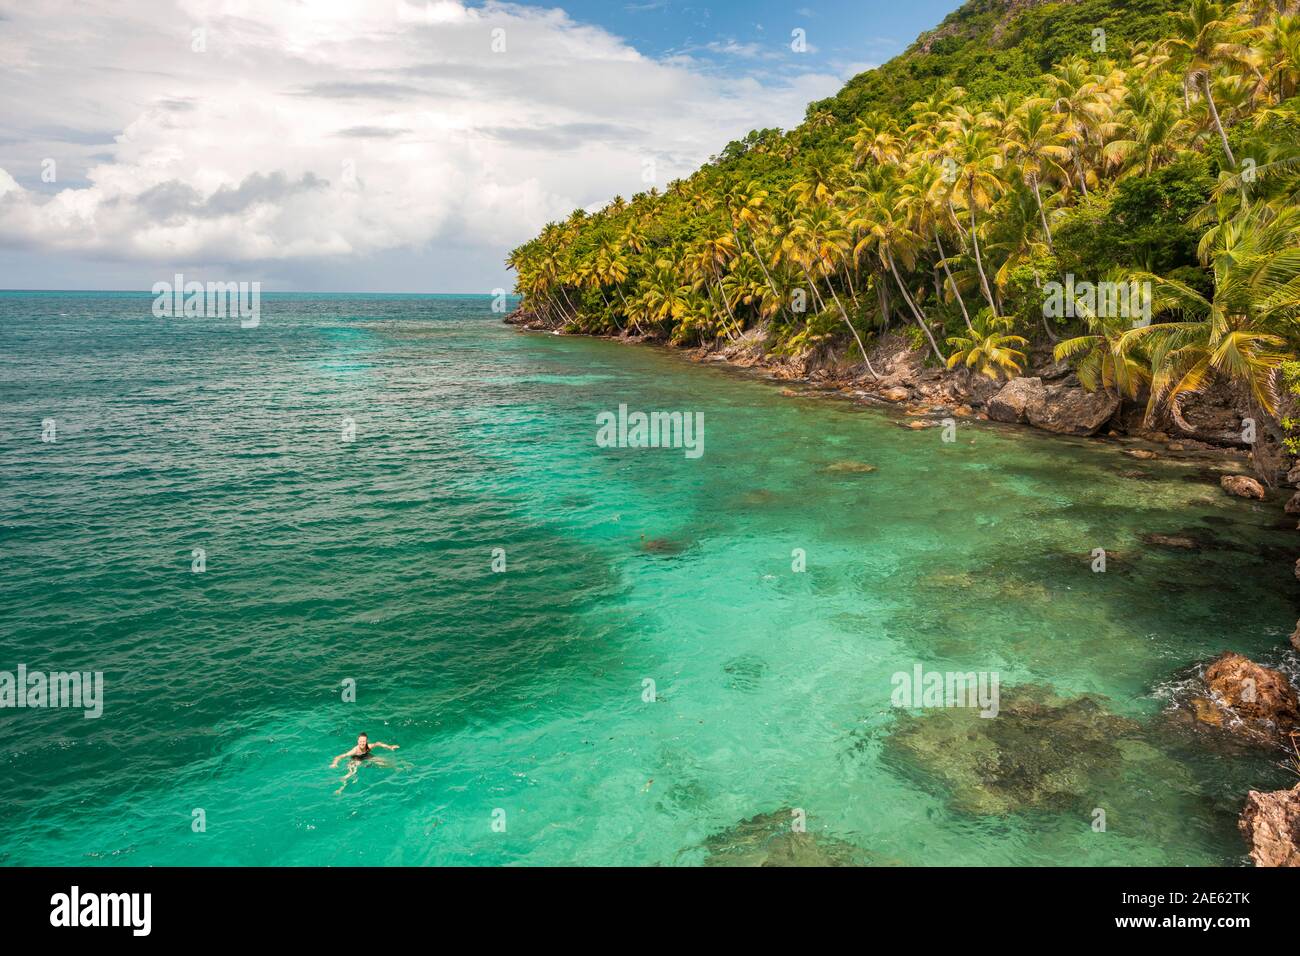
[922, 397]
[1233, 698]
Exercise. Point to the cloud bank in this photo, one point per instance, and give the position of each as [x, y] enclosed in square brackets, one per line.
[300, 138]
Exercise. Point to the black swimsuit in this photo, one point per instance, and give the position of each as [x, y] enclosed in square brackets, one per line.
[363, 755]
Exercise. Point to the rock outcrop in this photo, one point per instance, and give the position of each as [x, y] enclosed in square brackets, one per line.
[1270, 822]
[1012, 402]
[1068, 410]
[1064, 409]
[1248, 699]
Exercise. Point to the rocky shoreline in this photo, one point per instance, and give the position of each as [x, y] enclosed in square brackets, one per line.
[1255, 704]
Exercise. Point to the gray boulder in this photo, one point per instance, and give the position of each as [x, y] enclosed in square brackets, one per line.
[1068, 410]
[1011, 403]
[1064, 409]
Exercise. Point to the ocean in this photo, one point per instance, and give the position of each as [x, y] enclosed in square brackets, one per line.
[392, 514]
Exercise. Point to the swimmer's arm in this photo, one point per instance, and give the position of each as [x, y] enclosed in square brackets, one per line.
[335, 762]
[385, 746]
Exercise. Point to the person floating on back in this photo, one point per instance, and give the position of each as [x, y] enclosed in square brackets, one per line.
[354, 757]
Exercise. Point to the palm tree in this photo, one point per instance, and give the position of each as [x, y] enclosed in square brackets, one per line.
[884, 221]
[1205, 37]
[876, 139]
[1037, 145]
[931, 196]
[988, 349]
[1080, 98]
[664, 297]
[1234, 333]
[1152, 125]
[817, 244]
[1104, 356]
[977, 184]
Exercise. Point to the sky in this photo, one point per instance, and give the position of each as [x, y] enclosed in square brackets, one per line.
[378, 145]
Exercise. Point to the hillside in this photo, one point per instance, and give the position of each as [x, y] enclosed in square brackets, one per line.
[1019, 147]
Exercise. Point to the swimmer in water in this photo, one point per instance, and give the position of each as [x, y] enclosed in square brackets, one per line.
[362, 751]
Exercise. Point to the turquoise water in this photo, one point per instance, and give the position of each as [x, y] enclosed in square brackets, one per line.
[522, 691]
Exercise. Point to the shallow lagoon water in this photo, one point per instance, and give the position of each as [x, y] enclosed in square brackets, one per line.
[522, 691]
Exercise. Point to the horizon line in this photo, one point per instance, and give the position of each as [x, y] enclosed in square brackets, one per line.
[486, 295]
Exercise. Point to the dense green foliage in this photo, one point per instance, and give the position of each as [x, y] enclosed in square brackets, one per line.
[1017, 144]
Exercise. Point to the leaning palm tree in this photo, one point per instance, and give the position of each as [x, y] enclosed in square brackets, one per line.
[884, 221]
[930, 194]
[1236, 333]
[817, 243]
[1037, 146]
[976, 164]
[1205, 38]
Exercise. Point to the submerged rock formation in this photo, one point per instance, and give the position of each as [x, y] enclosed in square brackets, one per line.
[1270, 822]
[769, 839]
[1041, 752]
[1242, 487]
[850, 467]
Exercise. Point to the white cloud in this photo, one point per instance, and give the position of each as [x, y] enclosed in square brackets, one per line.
[339, 128]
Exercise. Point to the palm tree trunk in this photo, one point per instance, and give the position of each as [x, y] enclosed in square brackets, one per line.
[979, 262]
[853, 295]
[1214, 113]
[845, 316]
[568, 300]
[916, 313]
[943, 257]
[1047, 230]
[722, 292]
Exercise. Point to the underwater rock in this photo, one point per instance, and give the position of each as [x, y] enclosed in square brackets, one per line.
[1041, 752]
[896, 393]
[1270, 822]
[769, 839]
[1248, 699]
[662, 545]
[1180, 541]
[1293, 505]
[851, 467]
[1142, 454]
[745, 671]
[1244, 487]
[1295, 636]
